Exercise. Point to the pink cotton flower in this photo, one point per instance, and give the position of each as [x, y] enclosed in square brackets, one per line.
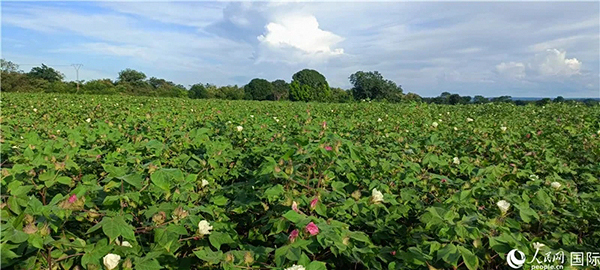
[294, 235]
[295, 207]
[73, 198]
[328, 148]
[313, 203]
[324, 124]
[312, 228]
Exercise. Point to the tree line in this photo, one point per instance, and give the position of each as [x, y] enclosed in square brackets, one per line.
[306, 85]
[456, 99]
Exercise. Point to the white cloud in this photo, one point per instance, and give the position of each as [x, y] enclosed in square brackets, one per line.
[554, 63]
[514, 70]
[551, 64]
[566, 43]
[301, 32]
[194, 14]
[109, 49]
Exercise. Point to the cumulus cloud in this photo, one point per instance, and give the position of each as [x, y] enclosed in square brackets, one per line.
[301, 32]
[552, 63]
[555, 63]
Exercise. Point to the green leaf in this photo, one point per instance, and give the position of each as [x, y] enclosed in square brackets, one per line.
[36, 241]
[274, 193]
[146, 263]
[293, 216]
[64, 180]
[126, 230]
[469, 258]
[218, 238]
[338, 186]
[133, 179]
[21, 190]
[35, 206]
[321, 209]
[449, 254]
[97, 226]
[111, 228]
[280, 255]
[17, 236]
[167, 178]
[219, 200]
[360, 236]
[526, 213]
[209, 256]
[294, 254]
[13, 205]
[316, 265]
[304, 260]
[161, 180]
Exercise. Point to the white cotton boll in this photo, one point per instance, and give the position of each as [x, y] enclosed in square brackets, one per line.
[504, 206]
[376, 196]
[111, 261]
[204, 227]
[295, 267]
[456, 160]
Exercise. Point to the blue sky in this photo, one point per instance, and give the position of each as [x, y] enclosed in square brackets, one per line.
[472, 48]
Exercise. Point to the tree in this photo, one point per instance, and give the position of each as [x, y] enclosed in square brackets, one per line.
[300, 92]
[559, 99]
[521, 102]
[103, 86]
[170, 90]
[480, 100]
[465, 100]
[230, 92]
[46, 73]
[505, 99]
[259, 89]
[590, 102]
[372, 85]
[454, 99]
[411, 97]
[340, 95]
[198, 91]
[281, 90]
[309, 85]
[9, 67]
[131, 76]
[543, 101]
[12, 78]
[156, 82]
